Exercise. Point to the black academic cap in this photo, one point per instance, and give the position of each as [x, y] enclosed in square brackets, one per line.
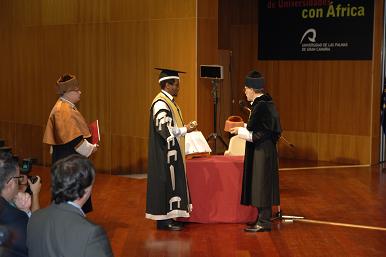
[254, 80]
[168, 74]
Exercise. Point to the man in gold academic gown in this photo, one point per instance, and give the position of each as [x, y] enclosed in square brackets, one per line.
[67, 131]
[167, 188]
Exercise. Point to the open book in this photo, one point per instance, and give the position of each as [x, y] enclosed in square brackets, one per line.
[94, 130]
[196, 145]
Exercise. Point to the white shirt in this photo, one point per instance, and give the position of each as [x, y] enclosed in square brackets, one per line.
[244, 132]
[65, 100]
[77, 206]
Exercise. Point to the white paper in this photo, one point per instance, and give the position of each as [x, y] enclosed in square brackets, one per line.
[195, 142]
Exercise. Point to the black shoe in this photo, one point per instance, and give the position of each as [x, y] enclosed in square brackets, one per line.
[178, 223]
[169, 224]
[256, 228]
[170, 227]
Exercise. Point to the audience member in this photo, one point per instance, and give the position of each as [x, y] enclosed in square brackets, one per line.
[62, 228]
[15, 206]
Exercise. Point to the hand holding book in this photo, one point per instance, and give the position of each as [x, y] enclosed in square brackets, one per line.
[94, 130]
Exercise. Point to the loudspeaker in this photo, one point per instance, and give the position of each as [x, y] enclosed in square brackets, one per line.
[211, 72]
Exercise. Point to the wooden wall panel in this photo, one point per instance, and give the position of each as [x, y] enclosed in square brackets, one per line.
[172, 9]
[208, 9]
[234, 13]
[7, 132]
[27, 141]
[129, 10]
[304, 145]
[94, 11]
[92, 69]
[7, 94]
[130, 154]
[241, 50]
[31, 12]
[345, 149]
[6, 13]
[25, 77]
[55, 12]
[206, 55]
[176, 48]
[130, 81]
[345, 90]
[112, 46]
[296, 92]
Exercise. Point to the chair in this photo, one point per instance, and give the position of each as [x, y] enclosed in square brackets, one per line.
[236, 147]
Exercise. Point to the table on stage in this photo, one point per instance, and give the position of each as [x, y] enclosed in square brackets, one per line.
[215, 188]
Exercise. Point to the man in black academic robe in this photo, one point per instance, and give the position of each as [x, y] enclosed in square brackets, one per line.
[261, 177]
[167, 189]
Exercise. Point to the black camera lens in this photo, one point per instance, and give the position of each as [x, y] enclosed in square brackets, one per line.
[33, 179]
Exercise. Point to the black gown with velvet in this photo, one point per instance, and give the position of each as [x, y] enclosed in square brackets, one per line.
[261, 173]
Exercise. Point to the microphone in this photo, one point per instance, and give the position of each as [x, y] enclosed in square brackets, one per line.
[243, 104]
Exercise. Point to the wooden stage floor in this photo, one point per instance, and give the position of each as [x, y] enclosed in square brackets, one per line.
[345, 196]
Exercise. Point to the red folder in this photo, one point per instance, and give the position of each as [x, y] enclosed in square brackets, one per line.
[94, 130]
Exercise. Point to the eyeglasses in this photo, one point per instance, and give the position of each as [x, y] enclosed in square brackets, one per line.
[20, 179]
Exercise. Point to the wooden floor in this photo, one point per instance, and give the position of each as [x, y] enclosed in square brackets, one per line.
[345, 196]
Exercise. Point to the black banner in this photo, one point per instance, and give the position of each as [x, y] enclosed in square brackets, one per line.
[315, 29]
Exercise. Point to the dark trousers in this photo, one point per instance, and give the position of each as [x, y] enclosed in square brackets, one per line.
[264, 217]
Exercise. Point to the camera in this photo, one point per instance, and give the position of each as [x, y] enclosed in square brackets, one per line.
[25, 168]
[33, 179]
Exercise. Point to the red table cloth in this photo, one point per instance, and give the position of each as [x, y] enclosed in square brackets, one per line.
[215, 189]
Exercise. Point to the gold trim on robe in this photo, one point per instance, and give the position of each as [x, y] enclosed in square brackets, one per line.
[177, 116]
[64, 124]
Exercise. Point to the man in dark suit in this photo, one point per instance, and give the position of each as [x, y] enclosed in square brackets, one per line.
[15, 206]
[62, 229]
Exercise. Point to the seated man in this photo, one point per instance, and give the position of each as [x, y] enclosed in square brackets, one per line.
[62, 229]
[15, 206]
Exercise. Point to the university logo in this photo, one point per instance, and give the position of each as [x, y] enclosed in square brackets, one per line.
[312, 33]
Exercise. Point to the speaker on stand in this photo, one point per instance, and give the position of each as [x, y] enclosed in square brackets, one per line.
[215, 73]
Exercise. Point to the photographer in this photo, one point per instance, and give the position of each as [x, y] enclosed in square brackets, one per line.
[30, 184]
[15, 205]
